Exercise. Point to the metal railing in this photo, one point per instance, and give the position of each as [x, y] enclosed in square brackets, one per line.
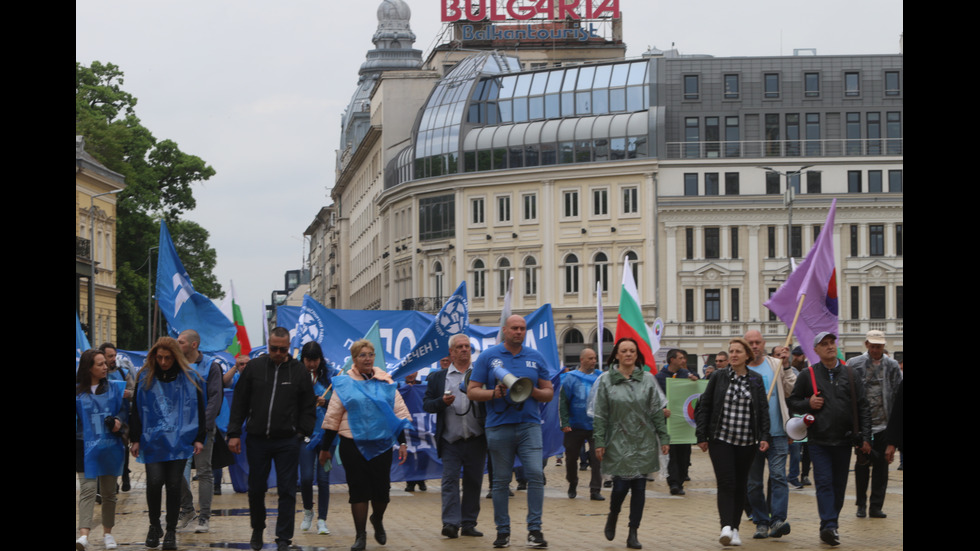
[750, 149]
[423, 304]
[83, 247]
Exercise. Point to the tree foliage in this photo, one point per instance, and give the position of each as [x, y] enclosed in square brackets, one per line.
[159, 178]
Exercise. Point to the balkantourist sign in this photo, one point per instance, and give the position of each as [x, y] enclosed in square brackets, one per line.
[528, 32]
[523, 10]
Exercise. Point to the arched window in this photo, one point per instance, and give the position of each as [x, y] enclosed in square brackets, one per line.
[503, 276]
[571, 273]
[437, 278]
[602, 271]
[479, 279]
[530, 276]
[572, 345]
[634, 266]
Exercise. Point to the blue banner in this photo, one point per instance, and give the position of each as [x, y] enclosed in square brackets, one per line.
[287, 316]
[453, 318]
[185, 308]
[399, 330]
[81, 342]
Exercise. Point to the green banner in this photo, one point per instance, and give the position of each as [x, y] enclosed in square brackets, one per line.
[682, 397]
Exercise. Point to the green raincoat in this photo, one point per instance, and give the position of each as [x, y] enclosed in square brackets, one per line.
[629, 418]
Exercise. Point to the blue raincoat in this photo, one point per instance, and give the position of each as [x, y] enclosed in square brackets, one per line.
[370, 414]
[169, 415]
[104, 451]
[319, 389]
[577, 386]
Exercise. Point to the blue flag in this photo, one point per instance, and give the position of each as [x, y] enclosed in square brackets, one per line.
[287, 316]
[81, 342]
[432, 346]
[185, 308]
[336, 330]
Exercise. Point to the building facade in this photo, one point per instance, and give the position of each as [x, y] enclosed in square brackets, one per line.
[555, 175]
[95, 244]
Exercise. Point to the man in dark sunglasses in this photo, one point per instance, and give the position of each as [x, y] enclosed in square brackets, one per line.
[274, 399]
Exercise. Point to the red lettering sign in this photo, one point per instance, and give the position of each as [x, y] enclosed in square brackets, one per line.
[523, 10]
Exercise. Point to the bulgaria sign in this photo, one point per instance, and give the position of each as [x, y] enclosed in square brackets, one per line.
[523, 10]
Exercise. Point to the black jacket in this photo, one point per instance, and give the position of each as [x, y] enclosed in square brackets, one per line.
[433, 403]
[710, 406]
[833, 425]
[274, 401]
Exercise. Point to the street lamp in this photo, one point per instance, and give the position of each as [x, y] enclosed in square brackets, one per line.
[91, 279]
[149, 296]
[788, 197]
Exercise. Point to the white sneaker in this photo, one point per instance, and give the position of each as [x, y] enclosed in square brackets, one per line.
[307, 520]
[203, 526]
[736, 541]
[321, 527]
[110, 542]
[81, 543]
[726, 536]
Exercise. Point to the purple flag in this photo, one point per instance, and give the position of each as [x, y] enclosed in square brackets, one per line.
[816, 278]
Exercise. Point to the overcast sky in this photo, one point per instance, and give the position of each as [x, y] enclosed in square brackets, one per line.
[257, 88]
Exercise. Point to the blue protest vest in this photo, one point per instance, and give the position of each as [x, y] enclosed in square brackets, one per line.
[119, 374]
[203, 369]
[577, 387]
[370, 414]
[321, 412]
[104, 451]
[169, 415]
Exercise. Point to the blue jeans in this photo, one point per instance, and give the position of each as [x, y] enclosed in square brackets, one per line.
[522, 440]
[830, 467]
[794, 462]
[310, 469]
[762, 512]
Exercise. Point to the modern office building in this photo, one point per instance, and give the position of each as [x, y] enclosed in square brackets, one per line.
[556, 174]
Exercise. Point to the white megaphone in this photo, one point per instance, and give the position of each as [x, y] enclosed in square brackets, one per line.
[519, 388]
[464, 385]
[796, 426]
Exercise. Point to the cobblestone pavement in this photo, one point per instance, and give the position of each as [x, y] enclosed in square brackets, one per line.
[413, 519]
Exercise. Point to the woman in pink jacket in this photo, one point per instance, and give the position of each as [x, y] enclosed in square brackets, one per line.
[369, 415]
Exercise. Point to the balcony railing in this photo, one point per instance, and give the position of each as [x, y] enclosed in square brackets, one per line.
[775, 331]
[83, 247]
[750, 149]
[423, 304]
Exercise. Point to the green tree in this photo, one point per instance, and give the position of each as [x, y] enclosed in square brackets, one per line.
[159, 179]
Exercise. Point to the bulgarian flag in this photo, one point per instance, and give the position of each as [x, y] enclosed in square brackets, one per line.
[240, 344]
[629, 321]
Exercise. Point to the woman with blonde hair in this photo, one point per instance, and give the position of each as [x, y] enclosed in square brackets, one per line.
[99, 448]
[167, 428]
[369, 414]
[732, 423]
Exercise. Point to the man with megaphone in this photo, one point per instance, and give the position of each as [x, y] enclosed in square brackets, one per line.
[517, 380]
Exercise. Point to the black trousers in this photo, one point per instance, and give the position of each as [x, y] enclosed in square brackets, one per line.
[159, 475]
[876, 470]
[680, 460]
[731, 465]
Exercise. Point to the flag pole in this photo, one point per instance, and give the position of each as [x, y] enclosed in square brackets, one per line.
[599, 317]
[789, 341]
[799, 307]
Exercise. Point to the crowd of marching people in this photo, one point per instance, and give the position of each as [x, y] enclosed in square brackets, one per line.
[298, 414]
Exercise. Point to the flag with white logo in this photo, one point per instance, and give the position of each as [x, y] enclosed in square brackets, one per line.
[185, 308]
